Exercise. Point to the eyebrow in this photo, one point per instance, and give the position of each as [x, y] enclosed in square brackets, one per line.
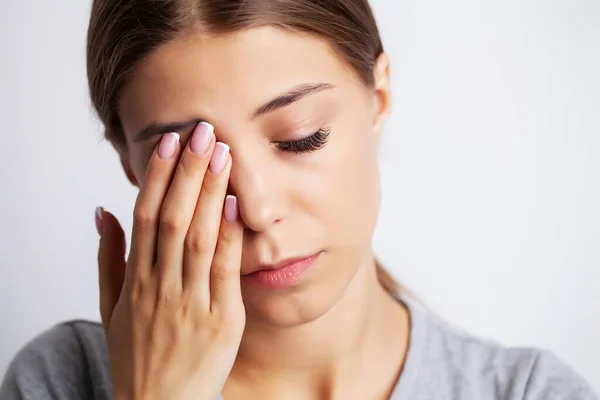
[290, 97]
[283, 100]
[156, 128]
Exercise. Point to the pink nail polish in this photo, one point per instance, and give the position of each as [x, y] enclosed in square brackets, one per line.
[231, 208]
[168, 145]
[201, 138]
[98, 218]
[219, 158]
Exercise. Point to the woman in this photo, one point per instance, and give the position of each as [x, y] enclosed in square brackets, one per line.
[251, 128]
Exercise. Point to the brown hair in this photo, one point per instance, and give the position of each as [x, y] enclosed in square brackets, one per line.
[122, 33]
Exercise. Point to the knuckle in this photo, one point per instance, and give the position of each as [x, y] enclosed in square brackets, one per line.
[211, 185]
[136, 289]
[227, 268]
[223, 270]
[199, 241]
[143, 218]
[185, 167]
[171, 222]
[227, 236]
[139, 297]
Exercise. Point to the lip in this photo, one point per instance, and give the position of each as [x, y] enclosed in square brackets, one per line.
[282, 275]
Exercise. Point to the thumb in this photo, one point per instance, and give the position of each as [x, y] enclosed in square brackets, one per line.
[111, 262]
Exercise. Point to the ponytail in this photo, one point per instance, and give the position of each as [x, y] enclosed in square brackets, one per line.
[388, 282]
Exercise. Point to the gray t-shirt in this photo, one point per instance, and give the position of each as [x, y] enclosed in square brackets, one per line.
[70, 361]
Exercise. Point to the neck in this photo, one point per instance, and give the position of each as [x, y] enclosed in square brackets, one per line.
[342, 345]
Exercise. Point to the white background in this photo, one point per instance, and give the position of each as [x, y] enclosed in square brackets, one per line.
[490, 166]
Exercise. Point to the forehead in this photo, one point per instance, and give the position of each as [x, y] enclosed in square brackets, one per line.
[230, 73]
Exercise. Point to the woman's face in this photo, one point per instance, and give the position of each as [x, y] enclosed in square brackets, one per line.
[296, 199]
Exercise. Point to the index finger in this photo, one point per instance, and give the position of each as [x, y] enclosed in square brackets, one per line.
[149, 202]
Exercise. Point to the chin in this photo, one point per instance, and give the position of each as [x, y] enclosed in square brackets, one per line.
[310, 298]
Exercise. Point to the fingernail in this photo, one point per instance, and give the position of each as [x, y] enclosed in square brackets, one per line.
[231, 208]
[219, 158]
[168, 145]
[98, 215]
[201, 138]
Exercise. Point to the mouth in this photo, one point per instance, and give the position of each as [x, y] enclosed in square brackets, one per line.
[283, 274]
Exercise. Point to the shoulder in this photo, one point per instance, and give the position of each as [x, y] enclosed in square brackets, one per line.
[462, 366]
[551, 378]
[67, 361]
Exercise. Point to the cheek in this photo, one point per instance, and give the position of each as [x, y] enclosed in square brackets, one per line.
[350, 181]
[138, 161]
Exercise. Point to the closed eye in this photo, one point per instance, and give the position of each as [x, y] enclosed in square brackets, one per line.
[305, 145]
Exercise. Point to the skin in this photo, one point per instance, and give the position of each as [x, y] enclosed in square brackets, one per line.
[336, 334]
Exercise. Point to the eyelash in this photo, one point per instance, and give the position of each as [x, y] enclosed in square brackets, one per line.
[306, 145]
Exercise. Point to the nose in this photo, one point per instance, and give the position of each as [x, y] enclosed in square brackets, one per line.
[261, 198]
